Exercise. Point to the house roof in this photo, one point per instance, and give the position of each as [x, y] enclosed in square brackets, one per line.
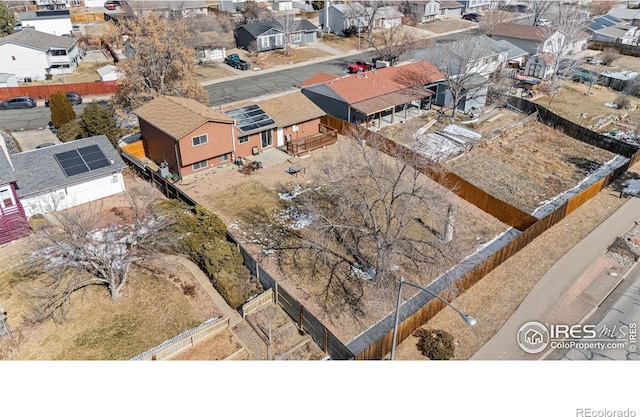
[513, 51]
[387, 101]
[107, 69]
[624, 14]
[38, 170]
[460, 53]
[44, 15]
[161, 4]
[257, 29]
[350, 9]
[177, 116]
[512, 30]
[451, 5]
[360, 87]
[385, 12]
[617, 30]
[285, 109]
[319, 77]
[7, 174]
[40, 40]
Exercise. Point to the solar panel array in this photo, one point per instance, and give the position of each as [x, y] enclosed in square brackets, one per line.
[81, 160]
[250, 118]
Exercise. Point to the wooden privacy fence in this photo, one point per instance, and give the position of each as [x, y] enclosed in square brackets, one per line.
[45, 91]
[185, 340]
[623, 49]
[257, 302]
[376, 342]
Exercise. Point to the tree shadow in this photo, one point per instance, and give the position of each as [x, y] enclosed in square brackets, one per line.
[585, 165]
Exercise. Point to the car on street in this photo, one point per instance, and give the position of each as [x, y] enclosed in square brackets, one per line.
[23, 102]
[110, 5]
[359, 66]
[74, 99]
[473, 17]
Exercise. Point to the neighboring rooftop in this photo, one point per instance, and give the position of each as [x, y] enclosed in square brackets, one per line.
[39, 40]
[44, 15]
[624, 14]
[177, 116]
[39, 170]
[512, 30]
[257, 29]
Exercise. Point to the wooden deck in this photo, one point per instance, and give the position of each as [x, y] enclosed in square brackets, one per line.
[327, 136]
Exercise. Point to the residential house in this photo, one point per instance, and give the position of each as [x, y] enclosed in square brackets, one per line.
[631, 16]
[235, 6]
[270, 35]
[451, 9]
[52, 4]
[338, 17]
[167, 8]
[469, 62]
[475, 5]
[282, 5]
[371, 96]
[425, 11]
[13, 221]
[31, 55]
[187, 135]
[535, 40]
[385, 17]
[608, 28]
[516, 57]
[54, 22]
[66, 175]
[295, 118]
[8, 80]
[191, 137]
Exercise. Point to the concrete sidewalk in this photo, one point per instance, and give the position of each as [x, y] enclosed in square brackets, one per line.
[549, 297]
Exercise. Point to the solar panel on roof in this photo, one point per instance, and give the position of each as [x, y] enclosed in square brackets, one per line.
[250, 117]
[78, 161]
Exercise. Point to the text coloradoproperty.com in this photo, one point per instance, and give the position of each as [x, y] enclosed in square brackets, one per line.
[587, 345]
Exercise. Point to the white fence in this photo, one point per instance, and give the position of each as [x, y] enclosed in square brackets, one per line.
[184, 340]
[257, 302]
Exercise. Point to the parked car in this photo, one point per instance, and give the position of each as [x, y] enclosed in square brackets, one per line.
[110, 5]
[24, 102]
[359, 66]
[543, 22]
[473, 17]
[74, 99]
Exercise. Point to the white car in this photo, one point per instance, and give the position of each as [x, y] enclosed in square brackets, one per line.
[543, 22]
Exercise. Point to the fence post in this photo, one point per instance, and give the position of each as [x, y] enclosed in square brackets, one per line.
[300, 315]
[326, 340]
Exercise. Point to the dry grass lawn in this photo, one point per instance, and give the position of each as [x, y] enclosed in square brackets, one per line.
[278, 58]
[446, 25]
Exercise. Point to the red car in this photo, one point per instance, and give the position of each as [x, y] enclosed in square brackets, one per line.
[110, 5]
[359, 67]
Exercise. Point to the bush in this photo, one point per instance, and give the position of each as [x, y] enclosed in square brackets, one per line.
[608, 56]
[622, 101]
[61, 109]
[435, 344]
[70, 131]
[350, 31]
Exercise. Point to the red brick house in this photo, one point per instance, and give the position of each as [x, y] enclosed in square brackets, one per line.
[186, 134]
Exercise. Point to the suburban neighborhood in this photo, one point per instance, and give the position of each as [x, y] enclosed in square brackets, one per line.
[324, 180]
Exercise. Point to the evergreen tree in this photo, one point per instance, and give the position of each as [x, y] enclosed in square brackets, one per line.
[99, 120]
[7, 20]
[61, 109]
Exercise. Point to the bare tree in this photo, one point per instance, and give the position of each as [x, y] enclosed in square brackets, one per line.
[389, 43]
[538, 8]
[562, 44]
[289, 25]
[370, 218]
[81, 248]
[162, 62]
[492, 18]
[467, 66]
[211, 30]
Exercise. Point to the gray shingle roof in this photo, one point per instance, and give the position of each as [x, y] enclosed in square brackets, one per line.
[44, 15]
[38, 170]
[6, 172]
[257, 29]
[39, 40]
[513, 51]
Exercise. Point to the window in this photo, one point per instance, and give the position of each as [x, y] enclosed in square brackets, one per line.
[243, 139]
[224, 158]
[294, 128]
[199, 140]
[199, 165]
[296, 37]
[6, 199]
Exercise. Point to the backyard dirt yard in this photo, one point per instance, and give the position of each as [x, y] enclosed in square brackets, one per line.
[243, 200]
[340, 42]
[154, 308]
[495, 298]
[573, 104]
[446, 25]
